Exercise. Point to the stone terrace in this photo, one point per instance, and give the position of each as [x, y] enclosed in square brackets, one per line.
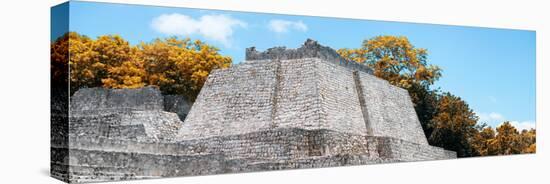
[280, 109]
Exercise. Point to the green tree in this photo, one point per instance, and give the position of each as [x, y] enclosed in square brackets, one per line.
[425, 104]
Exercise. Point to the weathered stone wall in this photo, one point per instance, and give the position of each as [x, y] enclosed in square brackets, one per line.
[122, 114]
[307, 93]
[296, 104]
[103, 159]
[59, 115]
[390, 110]
[233, 101]
[59, 129]
[131, 125]
[102, 120]
[304, 93]
[310, 49]
[407, 151]
[341, 110]
[147, 98]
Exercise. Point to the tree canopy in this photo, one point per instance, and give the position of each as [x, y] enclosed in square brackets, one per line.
[176, 66]
[59, 55]
[453, 125]
[446, 119]
[181, 66]
[395, 59]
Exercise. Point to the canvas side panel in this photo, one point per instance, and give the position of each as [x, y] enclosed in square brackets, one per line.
[390, 110]
[59, 92]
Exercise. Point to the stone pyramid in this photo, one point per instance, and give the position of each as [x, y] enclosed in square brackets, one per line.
[310, 88]
[280, 109]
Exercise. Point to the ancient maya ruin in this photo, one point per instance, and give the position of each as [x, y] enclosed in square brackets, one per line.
[280, 109]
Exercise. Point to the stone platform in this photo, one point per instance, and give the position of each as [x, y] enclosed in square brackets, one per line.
[103, 159]
[280, 109]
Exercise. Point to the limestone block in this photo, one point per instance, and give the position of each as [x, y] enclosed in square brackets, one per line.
[390, 110]
[147, 98]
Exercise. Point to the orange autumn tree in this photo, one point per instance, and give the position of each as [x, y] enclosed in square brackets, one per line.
[176, 66]
[119, 64]
[454, 125]
[483, 142]
[507, 140]
[81, 62]
[396, 60]
[180, 66]
[59, 55]
[528, 140]
[447, 120]
[96, 63]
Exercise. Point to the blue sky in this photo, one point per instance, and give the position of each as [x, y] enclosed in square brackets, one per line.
[492, 69]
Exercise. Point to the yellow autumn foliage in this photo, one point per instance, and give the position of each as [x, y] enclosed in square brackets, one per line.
[59, 54]
[446, 119]
[394, 59]
[176, 66]
[180, 66]
[505, 140]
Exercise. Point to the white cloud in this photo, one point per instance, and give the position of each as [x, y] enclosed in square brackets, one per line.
[284, 26]
[497, 119]
[214, 27]
[524, 125]
[492, 117]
